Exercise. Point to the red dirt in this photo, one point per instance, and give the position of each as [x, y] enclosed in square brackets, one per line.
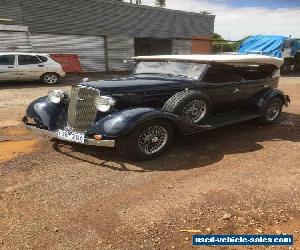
[65, 196]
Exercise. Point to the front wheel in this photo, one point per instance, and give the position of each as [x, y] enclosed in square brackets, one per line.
[147, 141]
[50, 78]
[271, 111]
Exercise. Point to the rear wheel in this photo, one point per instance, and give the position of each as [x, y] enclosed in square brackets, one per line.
[50, 78]
[271, 111]
[147, 141]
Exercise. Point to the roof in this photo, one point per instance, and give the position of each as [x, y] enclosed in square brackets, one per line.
[101, 17]
[21, 53]
[231, 59]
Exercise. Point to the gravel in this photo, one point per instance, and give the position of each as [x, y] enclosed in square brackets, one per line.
[64, 196]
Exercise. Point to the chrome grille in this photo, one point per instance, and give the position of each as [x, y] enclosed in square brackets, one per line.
[82, 110]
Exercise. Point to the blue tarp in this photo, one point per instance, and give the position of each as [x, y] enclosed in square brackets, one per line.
[267, 45]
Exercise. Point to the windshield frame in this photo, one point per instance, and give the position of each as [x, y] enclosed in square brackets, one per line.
[168, 74]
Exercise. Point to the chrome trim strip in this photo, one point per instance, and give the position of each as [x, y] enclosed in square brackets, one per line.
[87, 141]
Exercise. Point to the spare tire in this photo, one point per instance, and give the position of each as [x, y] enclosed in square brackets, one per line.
[191, 105]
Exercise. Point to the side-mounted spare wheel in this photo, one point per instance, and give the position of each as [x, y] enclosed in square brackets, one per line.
[189, 104]
[146, 141]
[271, 110]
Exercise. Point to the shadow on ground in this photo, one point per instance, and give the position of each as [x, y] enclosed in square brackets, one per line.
[194, 151]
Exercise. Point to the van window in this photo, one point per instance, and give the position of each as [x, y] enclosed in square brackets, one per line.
[7, 60]
[27, 60]
[43, 58]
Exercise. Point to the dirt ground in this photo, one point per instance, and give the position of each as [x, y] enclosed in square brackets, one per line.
[241, 179]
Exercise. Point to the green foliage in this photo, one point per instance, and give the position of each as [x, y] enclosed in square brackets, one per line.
[222, 45]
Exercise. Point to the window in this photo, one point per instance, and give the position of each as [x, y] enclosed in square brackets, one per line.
[27, 60]
[183, 69]
[222, 73]
[7, 60]
[43, 58]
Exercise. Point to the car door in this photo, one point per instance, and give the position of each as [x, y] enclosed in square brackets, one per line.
[224, 88]
[8, 69]
[29, 67]
[260, 80]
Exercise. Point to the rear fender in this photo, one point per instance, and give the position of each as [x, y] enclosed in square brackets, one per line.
[47, 113]
[271, 94]
[121, 123]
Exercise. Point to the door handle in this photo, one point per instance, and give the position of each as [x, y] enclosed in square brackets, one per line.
[41, 66]
[11, 67]
[236, 90]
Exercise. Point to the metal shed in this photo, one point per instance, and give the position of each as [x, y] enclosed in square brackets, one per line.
[103, 33]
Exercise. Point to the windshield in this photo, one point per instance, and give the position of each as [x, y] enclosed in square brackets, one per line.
[183, 69]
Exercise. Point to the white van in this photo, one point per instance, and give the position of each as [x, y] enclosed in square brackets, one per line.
[15, 66]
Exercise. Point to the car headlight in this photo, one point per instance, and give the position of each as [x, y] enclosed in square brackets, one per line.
[56, 96]
[105, 103]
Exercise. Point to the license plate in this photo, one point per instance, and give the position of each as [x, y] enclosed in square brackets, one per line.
[71, 136]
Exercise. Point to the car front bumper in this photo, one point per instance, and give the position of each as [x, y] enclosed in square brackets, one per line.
[87, 141]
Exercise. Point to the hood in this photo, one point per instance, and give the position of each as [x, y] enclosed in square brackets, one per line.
[136, 84]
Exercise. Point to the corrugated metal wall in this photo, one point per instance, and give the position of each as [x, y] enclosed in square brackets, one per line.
[182, 46]
[118, 49]
[90, 49]
[14, 41]
[93, 17]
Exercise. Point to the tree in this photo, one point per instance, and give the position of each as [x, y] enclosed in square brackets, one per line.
[222, 45]
[160, 3]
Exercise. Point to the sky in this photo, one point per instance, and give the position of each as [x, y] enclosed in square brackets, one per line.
[236, 19]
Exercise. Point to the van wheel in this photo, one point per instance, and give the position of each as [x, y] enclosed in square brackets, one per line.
[147, 141]
[50, 78]
[271, 111]
[190, 105]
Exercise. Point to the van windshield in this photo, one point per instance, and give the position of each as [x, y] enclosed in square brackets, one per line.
[182, 69]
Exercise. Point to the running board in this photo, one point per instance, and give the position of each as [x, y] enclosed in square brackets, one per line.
[217, 121]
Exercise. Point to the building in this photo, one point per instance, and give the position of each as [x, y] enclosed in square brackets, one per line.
[101, 32]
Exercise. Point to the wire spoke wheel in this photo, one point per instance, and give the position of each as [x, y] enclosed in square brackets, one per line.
[153, 139]
[273, 112]
[194, 111]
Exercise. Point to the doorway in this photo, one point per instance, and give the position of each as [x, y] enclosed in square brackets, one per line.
[152, 46]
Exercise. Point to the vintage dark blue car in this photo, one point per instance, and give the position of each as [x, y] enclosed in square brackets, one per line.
[165, 96]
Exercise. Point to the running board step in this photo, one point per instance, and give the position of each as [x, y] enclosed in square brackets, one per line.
[217, 121]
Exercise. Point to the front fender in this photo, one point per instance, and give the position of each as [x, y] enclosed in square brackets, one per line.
[123, 122]
[47, 113]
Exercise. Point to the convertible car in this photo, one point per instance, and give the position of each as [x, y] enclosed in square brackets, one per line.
[165, 96]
